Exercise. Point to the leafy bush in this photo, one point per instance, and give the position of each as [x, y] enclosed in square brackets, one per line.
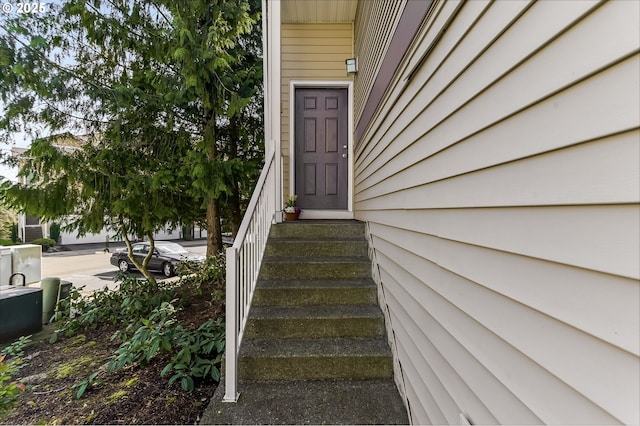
[200, 353]
[14, 233]
[46, 243]
[152, 328]
[10, 364]
[196, 353]
[6, 242]
[153, 336]
[209, 275]
[54, 232]
[133, 300]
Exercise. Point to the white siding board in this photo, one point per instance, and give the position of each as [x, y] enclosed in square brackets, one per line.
[563, 235]
[418, 414]
[487, 399]
[456, 390]
[501, 186]
[533, 383]
[419, 374]
[528, 133]
[556, 178]
[447, 387]
[622, 375]
[558, 121]
[417, 387]
[462, 84]
[403, 110]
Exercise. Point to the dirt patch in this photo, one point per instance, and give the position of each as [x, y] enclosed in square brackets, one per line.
[133, 395]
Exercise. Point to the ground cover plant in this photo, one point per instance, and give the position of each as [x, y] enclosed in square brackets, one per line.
[144, 354]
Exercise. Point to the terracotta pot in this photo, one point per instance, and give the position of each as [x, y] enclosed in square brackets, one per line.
[291, 216]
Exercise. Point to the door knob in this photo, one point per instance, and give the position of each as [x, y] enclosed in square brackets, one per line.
[344, 147]
[344, 155]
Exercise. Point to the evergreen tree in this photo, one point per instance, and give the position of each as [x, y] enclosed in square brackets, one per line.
[154, 82]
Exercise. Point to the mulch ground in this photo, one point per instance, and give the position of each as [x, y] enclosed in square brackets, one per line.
[133, 395]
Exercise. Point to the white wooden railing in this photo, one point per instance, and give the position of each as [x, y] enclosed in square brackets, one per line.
[243, 264]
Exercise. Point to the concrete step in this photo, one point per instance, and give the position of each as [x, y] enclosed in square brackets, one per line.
[314, 359]
[332, 402]
[288, 248]
[315, 268]
[318, 229]
[314, 292]
[313, 322]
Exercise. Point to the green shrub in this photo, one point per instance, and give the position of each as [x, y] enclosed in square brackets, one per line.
[210, 275]
[10, 364]
[195, 353]
[6, 242]
[54, 232]
[199, 354]
[46, 243]
[150, 327]
[14, 233]
[133, 300]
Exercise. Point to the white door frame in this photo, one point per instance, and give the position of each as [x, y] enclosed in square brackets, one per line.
[321, 84]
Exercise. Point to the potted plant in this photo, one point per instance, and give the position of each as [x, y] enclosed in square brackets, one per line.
[291, 211]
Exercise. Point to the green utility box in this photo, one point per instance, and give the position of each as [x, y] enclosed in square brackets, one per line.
[20, 312]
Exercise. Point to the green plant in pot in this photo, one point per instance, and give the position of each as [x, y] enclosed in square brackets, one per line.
[291, 210]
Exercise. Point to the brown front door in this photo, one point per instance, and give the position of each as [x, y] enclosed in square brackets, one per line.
[321, 144]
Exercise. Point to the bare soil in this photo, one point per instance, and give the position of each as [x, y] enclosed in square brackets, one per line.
[134, 395]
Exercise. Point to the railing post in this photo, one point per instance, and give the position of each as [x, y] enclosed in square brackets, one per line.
[231, 346]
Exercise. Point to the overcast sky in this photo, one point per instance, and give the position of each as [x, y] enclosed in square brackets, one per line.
[21, 140]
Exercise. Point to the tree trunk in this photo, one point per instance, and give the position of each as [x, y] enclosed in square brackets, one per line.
[214, 232]
[141, 267]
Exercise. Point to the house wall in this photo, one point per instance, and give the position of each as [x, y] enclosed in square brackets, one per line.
[67, 238]
[310, 52]
[499, 181]
[376, 21]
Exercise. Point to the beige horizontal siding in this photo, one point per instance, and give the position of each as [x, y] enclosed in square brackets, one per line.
[310, 52]
[501, 187]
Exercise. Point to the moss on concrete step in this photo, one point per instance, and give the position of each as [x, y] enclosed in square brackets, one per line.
[358, 321]
[315, 292]
[316, 248]
[311, 229]
[315, 269]
[318, 359]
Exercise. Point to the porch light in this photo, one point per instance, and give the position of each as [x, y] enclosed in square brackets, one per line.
[352, 65]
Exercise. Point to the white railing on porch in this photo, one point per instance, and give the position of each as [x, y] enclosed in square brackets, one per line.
[243, 265]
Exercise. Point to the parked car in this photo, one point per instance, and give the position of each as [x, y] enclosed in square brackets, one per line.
[165, 257]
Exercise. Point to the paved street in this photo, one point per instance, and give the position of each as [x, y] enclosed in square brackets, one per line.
[88, 265]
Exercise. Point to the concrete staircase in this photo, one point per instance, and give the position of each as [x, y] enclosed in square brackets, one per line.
[314, 349]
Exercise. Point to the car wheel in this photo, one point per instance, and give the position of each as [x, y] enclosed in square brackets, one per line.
[123, 266]
[167, 269]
